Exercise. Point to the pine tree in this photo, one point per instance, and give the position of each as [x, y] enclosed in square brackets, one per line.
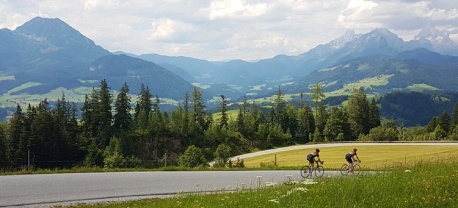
[17, 149]
[359, 114]
[86, 117]
[143, 107]
[318, 97]
[103, 115]
[198, 108]
[375, 117]
[445, 122]
[224, 117]
[290, 122]
[122, 118]
[337, 126]
[3, 146]
[278, 108]
[455, 115]
[435, 121]
[306, 124]
[46, 139]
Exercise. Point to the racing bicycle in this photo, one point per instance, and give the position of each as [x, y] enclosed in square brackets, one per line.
[306, 171]
[344, 170]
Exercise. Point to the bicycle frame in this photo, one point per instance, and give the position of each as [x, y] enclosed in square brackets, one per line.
[318, 170]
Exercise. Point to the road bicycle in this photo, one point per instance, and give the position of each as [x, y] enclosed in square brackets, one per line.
[344, 170]
[306, 171]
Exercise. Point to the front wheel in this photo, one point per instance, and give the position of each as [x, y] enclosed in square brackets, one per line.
[319, 171]
[306, 172]
[344, 169]
[356, 169]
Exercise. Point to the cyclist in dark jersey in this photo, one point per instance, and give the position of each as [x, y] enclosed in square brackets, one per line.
[311, 158]
[349, 158]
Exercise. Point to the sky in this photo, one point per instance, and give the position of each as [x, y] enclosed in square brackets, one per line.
[218, 30]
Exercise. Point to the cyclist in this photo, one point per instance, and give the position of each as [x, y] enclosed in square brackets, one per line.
[349, 157]
[311, 158]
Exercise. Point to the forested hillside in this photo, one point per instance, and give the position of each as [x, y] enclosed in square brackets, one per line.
[109, 135]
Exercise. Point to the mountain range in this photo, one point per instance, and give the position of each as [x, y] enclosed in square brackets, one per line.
[47, 57]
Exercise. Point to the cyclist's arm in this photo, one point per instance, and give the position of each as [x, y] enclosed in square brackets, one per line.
[319, 160]
[357, 157]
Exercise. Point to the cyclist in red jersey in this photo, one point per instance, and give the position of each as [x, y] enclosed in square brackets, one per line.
[311, 158]
[349, 158]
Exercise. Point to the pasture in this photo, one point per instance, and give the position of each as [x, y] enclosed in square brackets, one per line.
[372, 157]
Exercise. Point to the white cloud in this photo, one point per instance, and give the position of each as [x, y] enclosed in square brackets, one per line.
[355, 11]
[230, 29]
[167, 29]
[235, 9]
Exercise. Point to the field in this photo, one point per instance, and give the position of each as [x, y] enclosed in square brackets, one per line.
[373, 158]
[427, 181]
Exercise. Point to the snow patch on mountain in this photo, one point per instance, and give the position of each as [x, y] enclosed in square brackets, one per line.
[438, 40]
[344, 39]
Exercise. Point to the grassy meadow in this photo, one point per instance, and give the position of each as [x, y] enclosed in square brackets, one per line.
[372, 157]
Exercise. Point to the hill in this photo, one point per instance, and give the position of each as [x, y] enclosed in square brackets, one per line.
[44, 58]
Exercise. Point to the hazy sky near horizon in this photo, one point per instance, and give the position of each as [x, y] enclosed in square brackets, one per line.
[231, 29]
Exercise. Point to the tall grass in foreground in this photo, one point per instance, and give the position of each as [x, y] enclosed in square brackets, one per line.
[424, 185]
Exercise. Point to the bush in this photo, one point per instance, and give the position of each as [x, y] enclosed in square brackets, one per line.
[192, 157]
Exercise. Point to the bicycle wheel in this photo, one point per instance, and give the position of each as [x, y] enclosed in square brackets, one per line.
[344, 169]
[305, 172]
[319, 171]
[356, 169]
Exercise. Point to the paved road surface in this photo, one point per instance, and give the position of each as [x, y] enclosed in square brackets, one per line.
[57, 189]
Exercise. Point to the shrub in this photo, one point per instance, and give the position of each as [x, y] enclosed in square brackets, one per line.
[192, 157]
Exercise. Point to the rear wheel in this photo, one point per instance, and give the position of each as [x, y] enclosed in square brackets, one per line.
[306, 172]
[344, 169]
[319, 171]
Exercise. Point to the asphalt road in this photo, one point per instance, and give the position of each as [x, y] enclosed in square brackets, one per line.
[63, 189]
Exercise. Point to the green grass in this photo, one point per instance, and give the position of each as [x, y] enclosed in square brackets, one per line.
[24, 86]
[6, 78]
[421, 87]
[364, 83]
[431, 184]
[373, 157]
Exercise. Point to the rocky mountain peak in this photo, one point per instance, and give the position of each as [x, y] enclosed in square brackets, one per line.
[54, 35]
[437, 40]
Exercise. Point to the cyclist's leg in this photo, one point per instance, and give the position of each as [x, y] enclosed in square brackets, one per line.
[350, 164]
[311, 162]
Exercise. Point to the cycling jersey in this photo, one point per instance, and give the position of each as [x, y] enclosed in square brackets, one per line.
[311, 156]
[349, 156]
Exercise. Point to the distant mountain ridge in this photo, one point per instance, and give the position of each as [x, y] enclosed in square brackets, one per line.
[45, 56]
[274, 71]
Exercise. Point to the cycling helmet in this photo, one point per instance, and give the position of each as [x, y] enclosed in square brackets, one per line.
[354, 150]
[317, 150]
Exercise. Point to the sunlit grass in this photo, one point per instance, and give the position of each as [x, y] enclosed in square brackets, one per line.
[24, 86]
[363, 83]
[421, 87]
[6, 78]
[372, 157]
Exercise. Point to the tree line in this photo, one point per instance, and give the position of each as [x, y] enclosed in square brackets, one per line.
[114, 132]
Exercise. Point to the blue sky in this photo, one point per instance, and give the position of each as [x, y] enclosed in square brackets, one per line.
[232, 29]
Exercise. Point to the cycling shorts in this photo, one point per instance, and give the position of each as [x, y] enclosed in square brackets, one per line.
[348, 157]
